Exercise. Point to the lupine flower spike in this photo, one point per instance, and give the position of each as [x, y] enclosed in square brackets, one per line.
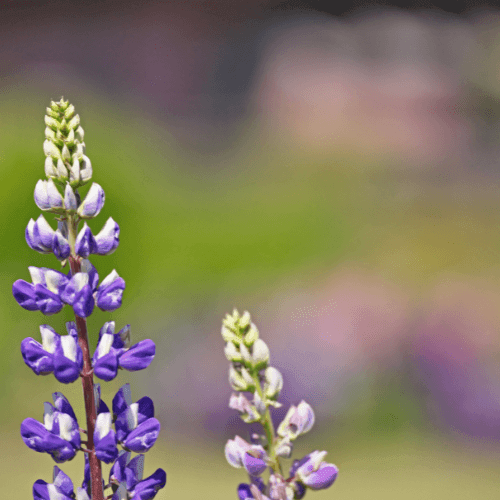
[68, 356]
[249, 372]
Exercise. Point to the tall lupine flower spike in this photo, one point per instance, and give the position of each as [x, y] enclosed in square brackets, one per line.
[249, 371]
[68, 357]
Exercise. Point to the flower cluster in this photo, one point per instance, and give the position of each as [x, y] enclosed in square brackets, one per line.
[68, 356]
[250, 372]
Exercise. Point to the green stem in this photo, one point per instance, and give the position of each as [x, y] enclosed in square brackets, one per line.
[267, 424]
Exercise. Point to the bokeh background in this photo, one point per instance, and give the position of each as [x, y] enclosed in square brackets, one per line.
[334, 172]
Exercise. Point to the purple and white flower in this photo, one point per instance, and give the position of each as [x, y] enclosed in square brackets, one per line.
[61, 487]
[113, 352]
[252, 457]
[126, 476]
[136, 428]
[59, 435]
[297, 421]
[56, 354]
[44, 293]
[313, 472]
[47, 196]
[93, 202]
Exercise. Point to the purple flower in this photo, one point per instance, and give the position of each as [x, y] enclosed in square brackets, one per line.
[58, 354]
[113, 352]
[47, 197]
[313, 472]
[43, 294]
[105, 438]
[253, 457]
[126, 475]
[85, 242]
[42, 238]
[78, 294]
[93, 202]
[298, 420]
[136, 428]
[110, 292]
[108, 238]
[61, 487]
[59, 435]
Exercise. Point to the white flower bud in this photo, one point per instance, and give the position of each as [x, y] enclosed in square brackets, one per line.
[69, 111]
[50, 149]
[50, 169]
[69, 198]
[62, 172]
[260, 354]
[74, 122]
[251, 336]
[274, 382]
[51, 122]
[232, 353]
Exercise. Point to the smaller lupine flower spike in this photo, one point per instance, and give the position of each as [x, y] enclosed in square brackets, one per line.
[78, 294]
[108, 238]
[47, 197]
[85, 242]
[253, 457]
[297, 421]
[313, 472]
[105, 438]
[61, 487]
[93, 202]
[60, 355]
[43, 294]
[113, 351]
[110, 292]
[136, 428]
[59, 435]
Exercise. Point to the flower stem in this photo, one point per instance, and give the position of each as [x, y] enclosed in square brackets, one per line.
[267, 424]
[87, 379]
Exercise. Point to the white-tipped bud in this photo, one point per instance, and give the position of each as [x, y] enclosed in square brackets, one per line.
[244, 320]
[246, 357]
[50, 169]
[69, 111]
[65, 154]
[62, 172]
[50, 135]
[260, 354]
[74, 122]
[51, 122]
[274, 382]
[251, 336]
[70, 199]
[79, 133]
[74, 172]
[232, 353]
[284, 447]
[85, 169]
[71, 138]
[228, 335]
[50, 149]
[93, 202]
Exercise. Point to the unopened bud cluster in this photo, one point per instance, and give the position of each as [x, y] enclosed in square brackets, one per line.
[250, 372]
[127, 425]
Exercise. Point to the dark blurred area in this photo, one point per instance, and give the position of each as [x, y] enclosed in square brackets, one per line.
[333, 167]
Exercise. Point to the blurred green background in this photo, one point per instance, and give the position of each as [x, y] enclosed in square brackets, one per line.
[350, 206]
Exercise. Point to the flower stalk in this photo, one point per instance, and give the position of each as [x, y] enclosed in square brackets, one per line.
[69, 357]
[249, 372]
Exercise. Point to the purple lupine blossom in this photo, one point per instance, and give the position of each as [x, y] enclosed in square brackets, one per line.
[249, 372]
[59, 435]
[113, 352]
[58, 354]
[136, 428]
[68, 357]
